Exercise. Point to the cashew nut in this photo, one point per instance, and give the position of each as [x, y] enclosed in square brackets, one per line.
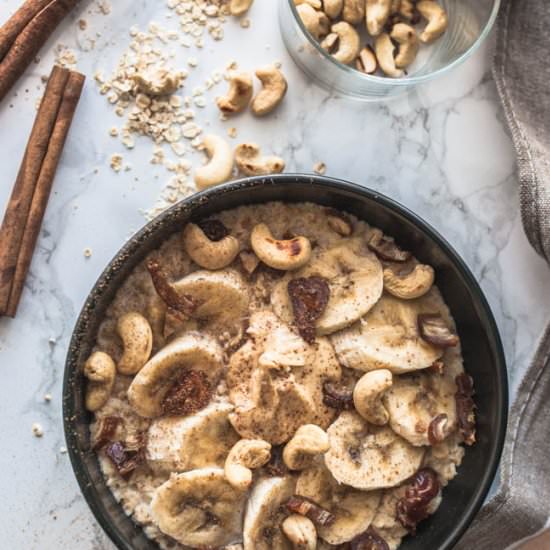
[384, 53]
[239, 93]
[300, 531]
[366, 62]
[437, 20]
[308, 441]
[137, 338]
[315, 22]
[377, 14]
[412, 285]
[245, 456]
[206, 253]
[407, 9]
[349, 42]
[315, 4]
[333, 8]
[239, 7]
[219, 167]
[353, 11]
[274, 89]
[100, 370]
[367, 396]
[279, 254]
[405, 36]
[250, 162]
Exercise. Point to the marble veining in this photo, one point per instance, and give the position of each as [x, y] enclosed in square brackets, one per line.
[443, 151]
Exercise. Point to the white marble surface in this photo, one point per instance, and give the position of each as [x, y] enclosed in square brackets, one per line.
[442, 151]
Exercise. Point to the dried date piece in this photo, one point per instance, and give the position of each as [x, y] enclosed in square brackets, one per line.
[337, 397]
[309, 297]
[181, 303]
[369, 540]
[465, 408]
[213, 229]
[438, 367]
[437, 430]
[309, 509]
[386, 249]
[126, 460]
[412, 508]
[105, 431]
[276, 466]
[190, 393]
[434, 330]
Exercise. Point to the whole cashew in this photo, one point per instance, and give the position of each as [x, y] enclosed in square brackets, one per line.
[405, 36]
[333, 8]
[300, 531]
[367, 396]
[206, 253]
[377, 14]
[250, 162]
[353, 11]
[279, 254]
[315, 22]
[412, 285]
[437, 20]
[100, 370]
[137, 338]
[245, 456]
[384, 53]
[349, 43]
[315, 4]
[220, 166]
[239, 93]
[239, 7]
[308, 441]
[274, 90]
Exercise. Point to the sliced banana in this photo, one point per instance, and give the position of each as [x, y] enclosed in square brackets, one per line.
[193, 351]
[178, 444]
[275, 380]
[199, 508]
[369, 457]
[388, 338]
[355, 279]
[415, 400]
[221, 296]
[264, 514]
[353, 509]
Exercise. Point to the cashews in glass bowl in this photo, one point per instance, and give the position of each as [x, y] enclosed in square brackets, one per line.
[335, 41]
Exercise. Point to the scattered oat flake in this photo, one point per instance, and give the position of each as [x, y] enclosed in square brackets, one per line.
[232, 132]
[320, 168]
[48, 397]
[37, 430]
[87, 252]
[63, 450]
[116, 162]
[245, 23]
[113, 131]
[104, 7]
[82, 24]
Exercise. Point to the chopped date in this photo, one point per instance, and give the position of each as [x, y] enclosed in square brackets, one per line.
[437, 430]
[190, 393]
[213, 229]
[125, 460]
[337, 397]
[309, 297]
[434, 330]
[276, 466]
[386, 249]
[465, 408]
[412, 508]
[105, 431]
[308, 508]
[369, 540]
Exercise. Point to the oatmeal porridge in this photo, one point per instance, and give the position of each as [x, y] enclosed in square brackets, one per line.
[279, 376]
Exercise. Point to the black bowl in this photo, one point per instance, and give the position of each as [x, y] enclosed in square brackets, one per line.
[482, 348]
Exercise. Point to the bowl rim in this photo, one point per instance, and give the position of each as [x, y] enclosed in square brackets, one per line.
[406, 80]
[196, 200]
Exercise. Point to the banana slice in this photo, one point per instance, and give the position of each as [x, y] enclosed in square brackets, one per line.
[387, 337]
[264, 514]
[416, 400]
[221, 296]
[353, 509]
[191, 352]
[199, 508]
[369, 457]
[177, 444]
[275, 380]
[355, 279]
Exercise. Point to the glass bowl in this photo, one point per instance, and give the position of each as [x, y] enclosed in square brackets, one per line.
[470, 21]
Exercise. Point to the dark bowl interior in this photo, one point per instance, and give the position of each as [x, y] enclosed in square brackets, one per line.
[482, 349]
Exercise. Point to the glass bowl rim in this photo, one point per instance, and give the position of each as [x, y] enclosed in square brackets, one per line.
[406, 80]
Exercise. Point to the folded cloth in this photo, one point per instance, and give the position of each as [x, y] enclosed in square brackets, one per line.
[522, 73]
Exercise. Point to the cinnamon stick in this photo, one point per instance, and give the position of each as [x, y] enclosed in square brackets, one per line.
[17, 22]
[71, 96]
[15, 219]
[30, 40]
